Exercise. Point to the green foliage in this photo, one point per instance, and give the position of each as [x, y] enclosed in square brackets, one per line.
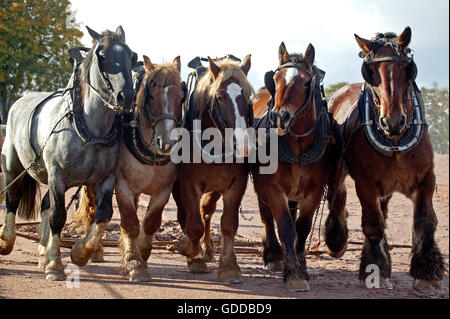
[35, 36]
[333, 88]
[436, 114]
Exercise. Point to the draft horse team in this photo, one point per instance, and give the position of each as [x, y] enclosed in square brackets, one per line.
[111, 130]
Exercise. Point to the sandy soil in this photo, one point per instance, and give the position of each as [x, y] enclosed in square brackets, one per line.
[330, 278]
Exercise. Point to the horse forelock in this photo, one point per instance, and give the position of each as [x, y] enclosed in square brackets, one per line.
[208, 88]
[162, 75]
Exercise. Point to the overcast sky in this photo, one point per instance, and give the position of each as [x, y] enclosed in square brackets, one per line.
[164, 29]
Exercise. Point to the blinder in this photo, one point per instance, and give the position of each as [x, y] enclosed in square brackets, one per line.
[269, 82]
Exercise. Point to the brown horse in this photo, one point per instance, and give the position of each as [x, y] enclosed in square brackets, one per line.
[385, 148]
[220, 100]
[292, 104]
[144, 166]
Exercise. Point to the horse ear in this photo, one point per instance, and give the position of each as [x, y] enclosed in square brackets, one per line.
[121, 33]
[405, 38]
[282, 54]
[310, 54]
[245, 66]
[95, 35]
[365, 45]
[215, 70]
[148, 64]
[177, 62]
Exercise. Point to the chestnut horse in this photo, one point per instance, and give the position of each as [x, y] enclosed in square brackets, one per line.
[221, 101]
[292, 104]
[144, 165]
[385, 148]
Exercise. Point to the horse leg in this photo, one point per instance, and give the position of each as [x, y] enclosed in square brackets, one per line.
[229, 270]
[303, 225]
[84, 248]
[294, 275]
[54, 269]
[194, 228]
[336, 231]
[8, 230]
[152, 222]
[427, 265]
[384, 202]
[272, 255]
[207, 209]
[293, 208]
[375, 249]
[45, 230]
[132, 264]
[181, 213]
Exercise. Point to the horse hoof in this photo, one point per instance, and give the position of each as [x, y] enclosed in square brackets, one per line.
[197, 266]
[55, 275]
[275, 266]
[336, 254]
[80, 255]
[231, 277]
[297, 285]
[139, 275]
[97, 257]
[424, 286]
[385, 283]
[6, 246]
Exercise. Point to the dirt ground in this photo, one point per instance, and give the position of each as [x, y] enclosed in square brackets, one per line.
[330, 278]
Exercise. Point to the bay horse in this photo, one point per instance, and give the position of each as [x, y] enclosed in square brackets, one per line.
[144, 166]
[64, 143]
[385, 147]
[220, 100]
[292, 103]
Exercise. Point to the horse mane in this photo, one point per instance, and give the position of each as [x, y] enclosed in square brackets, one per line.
[108, 38]
[161, 76]
[207, 89]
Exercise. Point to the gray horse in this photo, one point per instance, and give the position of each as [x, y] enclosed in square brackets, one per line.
[66, 140]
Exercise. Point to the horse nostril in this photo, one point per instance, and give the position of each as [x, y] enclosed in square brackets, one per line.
[384, 123]
[402, 121]
[121, 98]
[285, 117]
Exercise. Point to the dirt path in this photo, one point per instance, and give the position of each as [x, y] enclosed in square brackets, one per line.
[330, 278]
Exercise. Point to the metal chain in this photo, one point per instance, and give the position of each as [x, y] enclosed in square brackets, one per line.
[322, 203]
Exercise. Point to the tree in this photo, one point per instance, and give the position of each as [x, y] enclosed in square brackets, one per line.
[35, 37]
[436, 114]
[333, 88]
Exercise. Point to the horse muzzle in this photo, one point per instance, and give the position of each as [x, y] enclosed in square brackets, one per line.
[393, 126]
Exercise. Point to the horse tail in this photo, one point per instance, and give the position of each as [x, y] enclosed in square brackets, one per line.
[27, 206]
[84, 216]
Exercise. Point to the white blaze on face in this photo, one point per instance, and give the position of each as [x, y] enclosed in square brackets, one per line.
[165, 107]
[234, 91]
[290, 74]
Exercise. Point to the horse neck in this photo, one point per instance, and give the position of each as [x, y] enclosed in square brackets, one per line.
[98, 116]
[301, 124]
[145, 127]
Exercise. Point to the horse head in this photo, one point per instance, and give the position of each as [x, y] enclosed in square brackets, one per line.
[159, 99]
[291, 87]
[389, 73]
[106, 70]
[224, 92]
